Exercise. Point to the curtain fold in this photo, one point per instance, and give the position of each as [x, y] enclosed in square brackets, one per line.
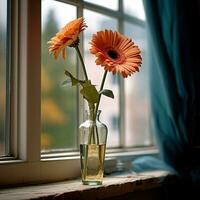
[174, 82]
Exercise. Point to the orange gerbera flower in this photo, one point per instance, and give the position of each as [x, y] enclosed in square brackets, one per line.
[115, 52]
[67, 36]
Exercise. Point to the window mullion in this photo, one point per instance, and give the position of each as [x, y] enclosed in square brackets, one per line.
[80, 75]
[121, 85]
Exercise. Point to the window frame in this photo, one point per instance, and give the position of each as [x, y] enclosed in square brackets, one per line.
[27, 165]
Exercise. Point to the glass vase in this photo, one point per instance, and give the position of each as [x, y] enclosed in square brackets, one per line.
[93, 137]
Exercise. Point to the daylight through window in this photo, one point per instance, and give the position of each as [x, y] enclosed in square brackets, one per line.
[127, 116]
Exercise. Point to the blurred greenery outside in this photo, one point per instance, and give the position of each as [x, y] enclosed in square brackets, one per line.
[58, 103]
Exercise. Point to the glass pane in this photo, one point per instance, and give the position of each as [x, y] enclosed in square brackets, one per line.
[109, 107]
[136, 91]
[58, 103]
[3, 71]
[105, 3]
[134, 8]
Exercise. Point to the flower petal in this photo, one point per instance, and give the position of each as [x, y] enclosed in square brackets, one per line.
[115, 52]
[66, 37]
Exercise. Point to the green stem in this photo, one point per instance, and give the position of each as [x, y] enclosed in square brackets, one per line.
[91, 116]
[93, 129]
[82, 62]
[98, 101]
[97, 135]
[101, 88]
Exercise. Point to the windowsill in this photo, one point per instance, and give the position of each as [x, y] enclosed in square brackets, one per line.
[113, 186]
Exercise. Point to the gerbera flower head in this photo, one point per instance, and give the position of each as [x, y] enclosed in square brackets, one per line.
[115, 52]
[67, 36]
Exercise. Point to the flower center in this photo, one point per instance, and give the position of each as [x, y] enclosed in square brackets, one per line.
[113, 54]
[75, 43]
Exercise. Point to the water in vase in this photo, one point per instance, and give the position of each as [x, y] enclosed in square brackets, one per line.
[92, 163]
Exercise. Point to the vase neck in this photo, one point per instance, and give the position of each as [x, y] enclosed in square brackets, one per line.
[98, 114]
[90, 114]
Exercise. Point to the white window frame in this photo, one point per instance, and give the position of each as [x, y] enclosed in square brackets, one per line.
[26, 165]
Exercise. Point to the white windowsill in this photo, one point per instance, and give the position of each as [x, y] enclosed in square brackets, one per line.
[113, 186]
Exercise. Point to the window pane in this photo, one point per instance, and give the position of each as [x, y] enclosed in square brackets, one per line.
[136, 91]
[58, 103]
[134, 8]
[3, 74]
[105, 3]
[109, 107]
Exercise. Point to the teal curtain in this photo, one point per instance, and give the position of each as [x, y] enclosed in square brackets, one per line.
[174, 82]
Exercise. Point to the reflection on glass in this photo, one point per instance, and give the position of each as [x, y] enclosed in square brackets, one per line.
[58, 103]
[109, 107]
[105, 3]
[134, 8]
[136, 91]
[3, 48]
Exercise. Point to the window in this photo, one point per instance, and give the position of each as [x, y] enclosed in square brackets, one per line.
[59, 114]
[4, 80]
[45, 115]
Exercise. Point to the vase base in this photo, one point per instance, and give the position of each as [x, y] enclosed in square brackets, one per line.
[92, 183]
